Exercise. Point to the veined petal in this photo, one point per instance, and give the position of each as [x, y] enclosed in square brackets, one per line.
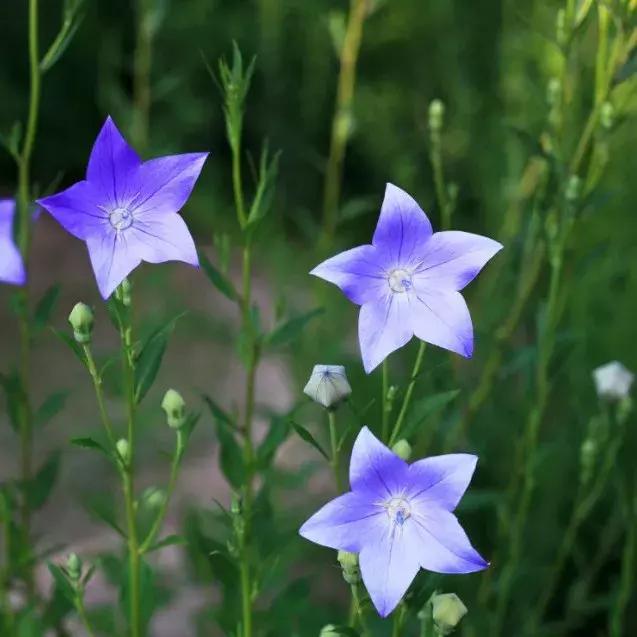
[374, 469]
[384, 326]
[444, 546]
[12, 268]
[441, 479]
[112, 165]
[165, 184]
[77, 209]
[389, 564]
[346, 523]
[357, 273]
[113, 256]
[403, 227]
[443, 319]
[164, 238]
[452, 259]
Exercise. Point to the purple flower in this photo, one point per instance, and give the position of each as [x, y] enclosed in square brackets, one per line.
[407, 281]
[126, 209]
[12, 268]
[399, 518]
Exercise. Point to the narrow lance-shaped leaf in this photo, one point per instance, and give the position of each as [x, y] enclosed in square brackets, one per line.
[50, 408]
[41, 487]
[309, 438]
[45, 307]
[291, 329]
[217, 278]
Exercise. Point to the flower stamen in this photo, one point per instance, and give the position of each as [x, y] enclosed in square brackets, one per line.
[400, 280]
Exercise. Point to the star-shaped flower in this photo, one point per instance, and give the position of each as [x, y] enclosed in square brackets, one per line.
[12, 268]
[408, 281]
[126, 209]
[398, 518]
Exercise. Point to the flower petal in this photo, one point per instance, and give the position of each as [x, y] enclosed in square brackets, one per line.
[444, 546]
[374, 469]
[112, 165]
[403, 227]
[166, 184]
[77, 210]
[12, 268]
[165, 238]
[383, 327]
[452, 259]
[443, 319]
[113, 256]
[357, 272]
[441, 479]
[346, 523]
[389, 564]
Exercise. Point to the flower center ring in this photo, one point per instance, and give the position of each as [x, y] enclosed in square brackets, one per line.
[400, 280]
[398, 510]
[121, 218]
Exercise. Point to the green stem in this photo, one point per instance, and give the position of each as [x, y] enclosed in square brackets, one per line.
[439, 179]
[7, 610]
[81, 611]
[341, 123]
[246, 597]
[237, 183]
[334, 460]
[410, 390]
[141, 78]
[399, 620]
[97, 385]
[386, 407]
[357, 614]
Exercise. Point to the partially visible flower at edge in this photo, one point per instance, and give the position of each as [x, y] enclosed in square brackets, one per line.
[408, 281]
[126, 210]
[398, 518]
[12, 268]
[613, 381]
[328, 385]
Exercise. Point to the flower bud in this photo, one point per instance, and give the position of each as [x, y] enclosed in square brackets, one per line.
[122, 449]
[175, 407]
[74, 566]
[447, 611]
[436, 115]
[607, 115]
[154, 497]
[330, 631]
[328, 385]
[560, 27]
[573, 189]
[402, 449]
[349, 564]
[553, 92]
[613, 381]
[588, 458]
[123, 292]
[82, 320]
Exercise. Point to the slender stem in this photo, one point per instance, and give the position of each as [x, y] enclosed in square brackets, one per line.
[399, 620]
[410, 390]
[334, 460]
[246, 597]
[97, 385]
[237, 183]
[386, 407]
[437, 165]
[81, 611]
[341, 123]
[7, 610]
[142, 70]
[358, 614]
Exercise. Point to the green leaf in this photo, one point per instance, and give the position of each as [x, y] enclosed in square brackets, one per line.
[72, 17]
[12, 140]
[277, 434]
[14, 395]
[309, 438]
[62, 582]
[426, 407]
[170, 540]
[217, 278]
[90, 443]
[45, 307]
[50, 408]
[291, 329]
[149, 360]
[148, 601]
[104, 510]
[70, 342]
[41, 486]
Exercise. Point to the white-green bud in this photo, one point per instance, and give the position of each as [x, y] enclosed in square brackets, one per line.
[82, 320]
[560, 27]
[607, 115]
[123, 292]
[573, 188]
[122, 449]
[588, 457]
[154, 497]
[328, 385]
[175, 407]
[613, 381]
[436, 115]
[447, 612]
[349, 564]
[330, 631]
[74, 566]
[402, 449]
[553, 92]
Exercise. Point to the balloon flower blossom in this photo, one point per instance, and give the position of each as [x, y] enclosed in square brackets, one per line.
[12, 268]
[126, 210]
[408, 281]
[398, 518]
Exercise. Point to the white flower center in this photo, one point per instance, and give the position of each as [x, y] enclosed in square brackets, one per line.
[121, 218]
[398, 510]
[399, 280]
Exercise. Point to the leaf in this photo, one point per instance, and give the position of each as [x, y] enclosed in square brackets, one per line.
[14, 395]
[170, 540]
[426, 407]
[291, 329]
[72, 17]
[309, 438]
[217, 278]
[50, 408]
[41, 486]
[44, 308]
[277, 434]
[62, 582]
[104, 510]
[149, 360]
[70, 342]
[90, 443]
[12, 141]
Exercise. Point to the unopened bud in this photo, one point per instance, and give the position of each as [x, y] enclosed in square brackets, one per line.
[447, 612]
[607, 115]
[122, 449]
[175, 407]
[560, 27]
[82, 320]
[330, 631]
[74, 566]
[154, 497]
[123, 292]
[613, 381]
[436, 115]
[553, 92]
[402, 449]
[328, 385]
[588, 457]
[349, 564]
[573, 189]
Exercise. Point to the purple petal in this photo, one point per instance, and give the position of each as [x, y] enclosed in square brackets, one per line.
[113, 256]
[389, 564]
[77, 209]
[383, 327]
[166, 184]
[357, 272]
[346, 523]
[403, 227]
[112, 165]
[452, 259]
[441, 480]
[444, 546]
[12, 268]
[374, 469]
[443, 319]
[165, 238]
